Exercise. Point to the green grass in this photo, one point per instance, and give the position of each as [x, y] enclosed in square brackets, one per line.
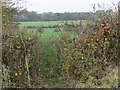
[49, 63]
[42, 23]
[49, 34]
[47, 23]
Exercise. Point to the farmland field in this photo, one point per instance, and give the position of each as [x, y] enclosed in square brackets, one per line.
[49, 33]
[46, 23]
[42, 23]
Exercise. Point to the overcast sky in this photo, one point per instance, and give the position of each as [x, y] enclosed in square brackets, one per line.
[65, 5]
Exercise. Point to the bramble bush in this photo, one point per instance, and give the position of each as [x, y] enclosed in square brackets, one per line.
[21, 55]
[20, 52]
[90, 54]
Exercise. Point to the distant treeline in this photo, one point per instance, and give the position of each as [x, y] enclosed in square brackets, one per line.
[25, 15]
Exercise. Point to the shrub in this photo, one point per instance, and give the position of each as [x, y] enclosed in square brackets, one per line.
[40, 29]
[21, 55]
[89, 54]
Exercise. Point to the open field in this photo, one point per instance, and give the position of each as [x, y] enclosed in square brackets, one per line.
[48, 33]
[43, 23]
[47, 23]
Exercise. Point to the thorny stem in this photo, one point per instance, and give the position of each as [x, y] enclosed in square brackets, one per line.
[26, 61]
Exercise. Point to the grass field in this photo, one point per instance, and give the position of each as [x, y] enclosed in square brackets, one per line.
[42, 23]
[49, 33]
[47, 23]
